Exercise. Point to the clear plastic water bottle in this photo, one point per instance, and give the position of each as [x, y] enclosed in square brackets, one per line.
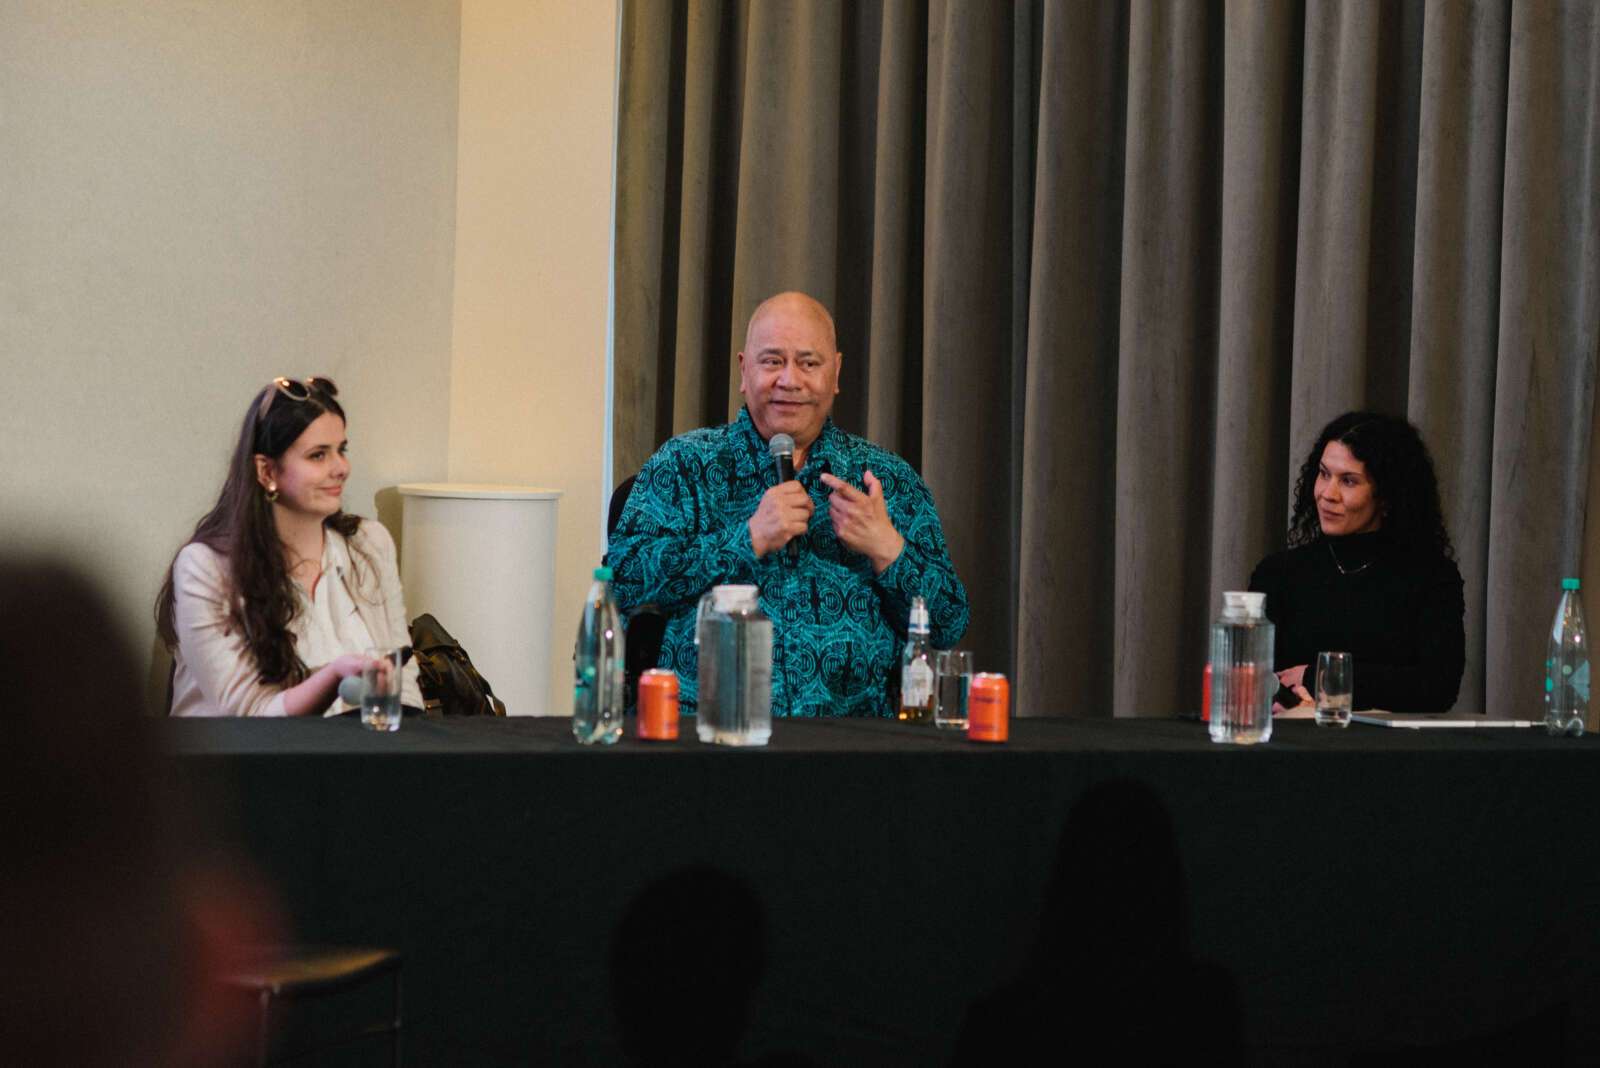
[1566, 671]
[1242, 679]
[598, 662]
[734, 639]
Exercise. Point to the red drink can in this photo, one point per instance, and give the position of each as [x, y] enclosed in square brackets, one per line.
[989, 708]
[658, 704]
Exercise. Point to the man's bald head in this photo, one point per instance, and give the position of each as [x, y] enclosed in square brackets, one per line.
[796, 304]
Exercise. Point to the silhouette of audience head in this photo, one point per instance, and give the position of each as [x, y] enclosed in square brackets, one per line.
[1116, 894]
[1110, 979]
[685, 963]
[115, 930]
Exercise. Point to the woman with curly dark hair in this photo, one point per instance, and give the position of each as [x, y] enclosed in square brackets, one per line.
[1369, 570]
[279, 593]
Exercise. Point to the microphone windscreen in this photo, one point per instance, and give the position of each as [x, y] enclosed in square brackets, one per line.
[781, 445]
[352, 688]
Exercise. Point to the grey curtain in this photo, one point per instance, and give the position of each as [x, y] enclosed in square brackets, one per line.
[1102, 270]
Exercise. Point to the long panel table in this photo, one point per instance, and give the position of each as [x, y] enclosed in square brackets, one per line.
[1365, 889]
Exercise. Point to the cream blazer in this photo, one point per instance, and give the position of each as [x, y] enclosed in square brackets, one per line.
[214, 673]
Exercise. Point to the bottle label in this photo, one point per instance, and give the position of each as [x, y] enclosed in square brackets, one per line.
[916, 684]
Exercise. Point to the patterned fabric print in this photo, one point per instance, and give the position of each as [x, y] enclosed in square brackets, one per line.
[837, 628]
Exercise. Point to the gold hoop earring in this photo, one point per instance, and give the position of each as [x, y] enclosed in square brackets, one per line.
[272, 492]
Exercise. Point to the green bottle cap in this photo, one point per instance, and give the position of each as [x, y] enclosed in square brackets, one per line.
[1569, 583]
[603, 574]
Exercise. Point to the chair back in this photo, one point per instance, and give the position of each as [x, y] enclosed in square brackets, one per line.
[619, 500]
[645, 625]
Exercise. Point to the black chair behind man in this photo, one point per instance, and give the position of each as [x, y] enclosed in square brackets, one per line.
[645, 625]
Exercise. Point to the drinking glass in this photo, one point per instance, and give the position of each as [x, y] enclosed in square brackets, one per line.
[1336, 676]
[952, 683]
[380, 703]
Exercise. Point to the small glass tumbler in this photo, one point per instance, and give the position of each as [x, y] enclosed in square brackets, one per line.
[380, 702]
[952, 684]
[1336, 676]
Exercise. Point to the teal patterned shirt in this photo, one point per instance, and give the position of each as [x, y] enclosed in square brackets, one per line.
[838, 629]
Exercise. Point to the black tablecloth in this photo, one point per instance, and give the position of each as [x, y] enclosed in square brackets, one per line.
[1364, 888]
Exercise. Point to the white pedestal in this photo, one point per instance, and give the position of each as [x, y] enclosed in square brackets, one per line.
[482, 559]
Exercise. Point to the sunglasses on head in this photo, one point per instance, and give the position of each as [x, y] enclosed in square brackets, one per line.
[296, 391]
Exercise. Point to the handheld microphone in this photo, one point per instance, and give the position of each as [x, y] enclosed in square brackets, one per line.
[352, 688]
[782, 449]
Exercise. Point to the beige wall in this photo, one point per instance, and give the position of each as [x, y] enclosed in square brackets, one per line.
[528, 380]
[196, 197]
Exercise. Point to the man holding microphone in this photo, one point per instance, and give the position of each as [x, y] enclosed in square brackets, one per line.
[838, 550]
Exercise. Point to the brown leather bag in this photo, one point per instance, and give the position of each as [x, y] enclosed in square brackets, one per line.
[451, 686]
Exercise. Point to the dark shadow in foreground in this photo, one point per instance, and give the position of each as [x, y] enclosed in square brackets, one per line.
[685, 964]
[1110, 979]
[118, 928]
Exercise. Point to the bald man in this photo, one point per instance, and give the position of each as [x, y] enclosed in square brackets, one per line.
[708, 509]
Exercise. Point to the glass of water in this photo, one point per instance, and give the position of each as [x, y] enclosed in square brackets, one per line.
[1336, 677]
[952, 683]
[380, 702]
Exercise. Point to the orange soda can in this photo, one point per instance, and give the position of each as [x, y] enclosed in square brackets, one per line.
[658, 704]
[989, 708]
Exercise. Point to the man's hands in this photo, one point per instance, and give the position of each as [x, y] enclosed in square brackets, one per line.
[784, 513]
[861, 521]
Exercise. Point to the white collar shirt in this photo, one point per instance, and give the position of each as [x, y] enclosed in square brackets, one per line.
[327, 626]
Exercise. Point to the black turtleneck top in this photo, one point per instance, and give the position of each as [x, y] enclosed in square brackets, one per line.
[1398, 610]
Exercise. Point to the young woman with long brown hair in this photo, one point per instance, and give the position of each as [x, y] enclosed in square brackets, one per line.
[279, 592]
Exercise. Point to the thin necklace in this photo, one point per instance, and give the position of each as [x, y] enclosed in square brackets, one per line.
[314, 576]
[313, 562]
[1341, 567]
